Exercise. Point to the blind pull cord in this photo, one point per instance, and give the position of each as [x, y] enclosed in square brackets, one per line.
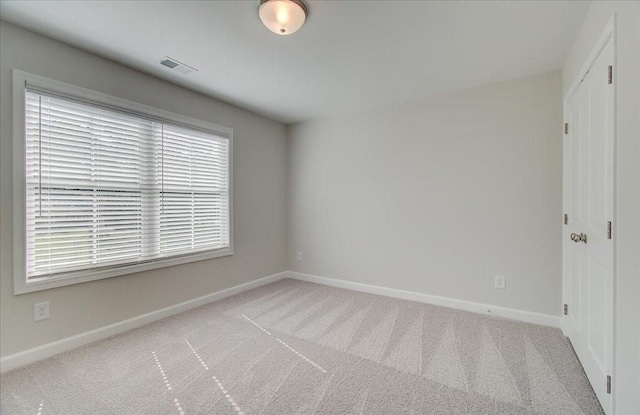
[40, 156]
[162, 168]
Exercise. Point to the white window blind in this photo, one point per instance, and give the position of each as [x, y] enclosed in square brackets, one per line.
[107, 188]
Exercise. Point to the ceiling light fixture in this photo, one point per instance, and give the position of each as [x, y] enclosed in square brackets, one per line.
[282, 16]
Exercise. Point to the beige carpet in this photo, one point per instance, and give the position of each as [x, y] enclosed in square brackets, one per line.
[299, 348]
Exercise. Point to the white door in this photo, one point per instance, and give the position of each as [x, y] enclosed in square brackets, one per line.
[587, 236]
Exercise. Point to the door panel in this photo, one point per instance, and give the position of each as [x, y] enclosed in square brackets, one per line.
[575, 188]
[575, 298]
[597, 276]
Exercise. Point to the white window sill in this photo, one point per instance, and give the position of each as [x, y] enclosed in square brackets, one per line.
[98, 274]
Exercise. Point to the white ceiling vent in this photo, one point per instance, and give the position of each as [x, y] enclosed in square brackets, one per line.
[176, 65]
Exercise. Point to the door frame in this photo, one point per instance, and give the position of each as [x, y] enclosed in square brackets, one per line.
[607, 35]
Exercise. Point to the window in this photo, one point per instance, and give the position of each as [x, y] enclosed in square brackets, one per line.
[111, 187]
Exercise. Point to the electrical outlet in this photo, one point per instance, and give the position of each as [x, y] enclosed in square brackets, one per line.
[298, 256]
[501, 282]
[41, 311]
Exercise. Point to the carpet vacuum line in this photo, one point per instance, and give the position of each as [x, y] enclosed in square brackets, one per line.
[233, 403]
[314, 364]
[167, 384]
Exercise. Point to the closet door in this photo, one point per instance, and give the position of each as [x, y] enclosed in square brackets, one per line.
[588, 244]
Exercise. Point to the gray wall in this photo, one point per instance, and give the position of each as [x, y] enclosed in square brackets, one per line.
[626, 376]
[437, 197]
[259, 214]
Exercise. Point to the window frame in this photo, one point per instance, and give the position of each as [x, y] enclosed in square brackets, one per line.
[20, 282]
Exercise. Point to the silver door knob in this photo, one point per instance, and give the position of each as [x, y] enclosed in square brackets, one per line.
[581, 237]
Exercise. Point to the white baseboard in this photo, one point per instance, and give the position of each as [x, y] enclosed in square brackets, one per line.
[35, 354]
[491, 310]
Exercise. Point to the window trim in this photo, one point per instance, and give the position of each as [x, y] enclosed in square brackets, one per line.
[20, 283]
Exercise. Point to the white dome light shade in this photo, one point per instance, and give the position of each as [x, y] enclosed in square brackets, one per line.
[282, 16]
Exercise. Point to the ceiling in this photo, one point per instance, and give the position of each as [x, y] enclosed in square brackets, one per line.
[350, 56]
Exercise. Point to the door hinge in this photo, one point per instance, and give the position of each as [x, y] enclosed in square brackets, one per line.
[609, 230]
[609, 384]
[566, 309]
[566, 219]
[566, 128]
[610, 75]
